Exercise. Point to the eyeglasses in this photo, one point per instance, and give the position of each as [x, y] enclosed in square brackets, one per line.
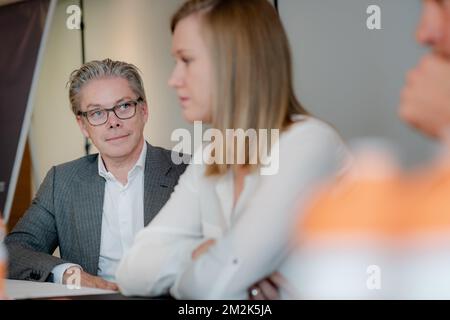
[123, 111]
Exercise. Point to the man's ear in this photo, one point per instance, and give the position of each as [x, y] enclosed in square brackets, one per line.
[144, 110]
[82, 125]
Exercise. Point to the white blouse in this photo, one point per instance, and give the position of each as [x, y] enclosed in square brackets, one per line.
[251, 239]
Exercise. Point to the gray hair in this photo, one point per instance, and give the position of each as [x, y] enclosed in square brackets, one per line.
[99, 70]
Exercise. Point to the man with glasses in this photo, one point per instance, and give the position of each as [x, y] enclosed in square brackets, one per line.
[93, 207]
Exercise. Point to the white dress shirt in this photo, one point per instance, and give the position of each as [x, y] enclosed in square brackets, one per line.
[123, 217]
[252, 238]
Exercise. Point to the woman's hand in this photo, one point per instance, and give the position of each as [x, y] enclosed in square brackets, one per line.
[268, 288]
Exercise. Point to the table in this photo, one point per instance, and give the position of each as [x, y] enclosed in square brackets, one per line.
[19, 289]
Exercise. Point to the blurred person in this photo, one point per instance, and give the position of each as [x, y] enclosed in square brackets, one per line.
[224, 232]
[381, 216]
[425, 99]
[347, 230]
[426, 236]
[91, 208]
[378, 233]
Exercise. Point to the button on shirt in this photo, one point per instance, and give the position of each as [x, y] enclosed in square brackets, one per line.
[123, 215]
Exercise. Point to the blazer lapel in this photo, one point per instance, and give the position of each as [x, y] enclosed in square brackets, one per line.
[89, 215]
[156, 183]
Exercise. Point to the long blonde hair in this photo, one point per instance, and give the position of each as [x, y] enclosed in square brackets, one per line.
[252, 68]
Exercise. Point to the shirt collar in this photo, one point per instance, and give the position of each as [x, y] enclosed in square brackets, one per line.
[140, 163]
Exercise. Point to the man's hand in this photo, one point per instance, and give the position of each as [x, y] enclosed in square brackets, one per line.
[201, 249]
[268, 288]
[88, 280]
[425, 99]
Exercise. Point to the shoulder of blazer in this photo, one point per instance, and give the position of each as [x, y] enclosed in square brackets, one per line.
[84, 167]
[164, 159]
[67, 180]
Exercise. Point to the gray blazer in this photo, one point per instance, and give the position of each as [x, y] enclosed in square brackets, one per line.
[67, 212]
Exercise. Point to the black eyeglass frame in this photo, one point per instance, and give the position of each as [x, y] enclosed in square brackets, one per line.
[113, 109]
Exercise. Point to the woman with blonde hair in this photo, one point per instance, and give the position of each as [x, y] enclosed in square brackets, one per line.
[227, 225]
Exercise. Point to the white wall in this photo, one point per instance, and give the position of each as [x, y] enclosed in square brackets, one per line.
[54, 135]
[352, 76]
[136, 31]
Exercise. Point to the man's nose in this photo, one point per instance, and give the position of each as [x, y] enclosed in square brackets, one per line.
[113, 120]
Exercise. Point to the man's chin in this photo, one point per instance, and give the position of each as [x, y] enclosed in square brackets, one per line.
[116, 150]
